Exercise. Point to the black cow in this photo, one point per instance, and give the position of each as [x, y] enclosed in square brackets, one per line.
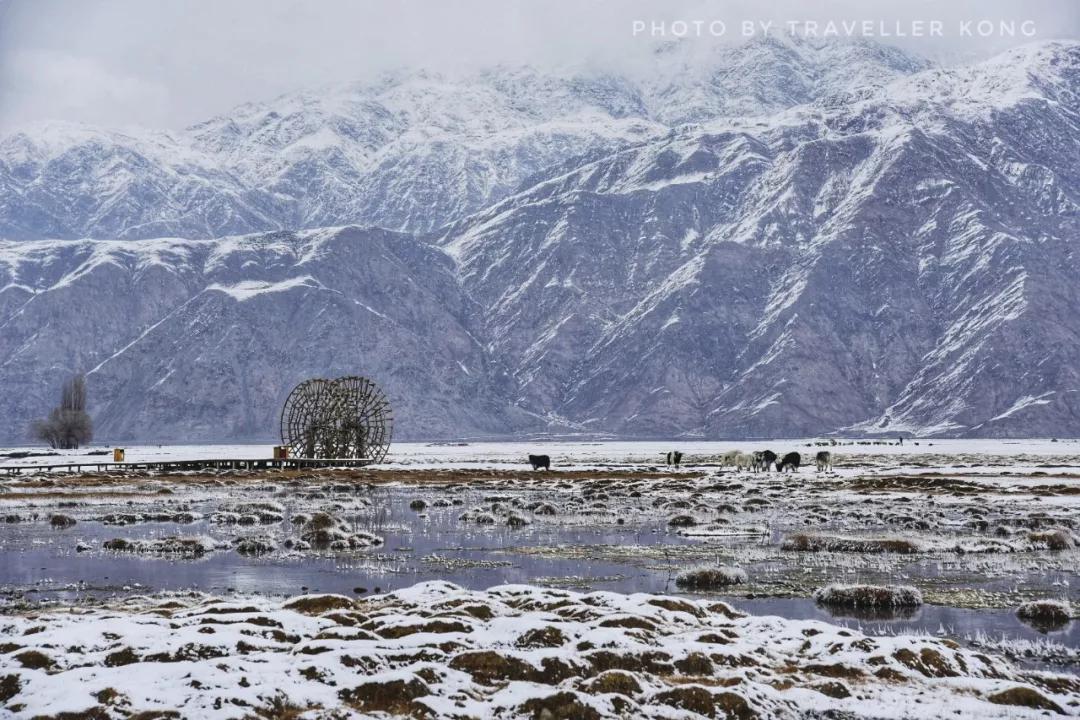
[791, 460]
[763, 459]
[674, 457]
[540, 461]
[824, 461]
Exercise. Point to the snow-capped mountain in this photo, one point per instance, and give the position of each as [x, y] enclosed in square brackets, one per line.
[408, 152]
[764, 76]
[68, 181]
[890, 255]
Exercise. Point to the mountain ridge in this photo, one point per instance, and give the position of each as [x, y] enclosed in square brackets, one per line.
[894, 257]
[409, 151]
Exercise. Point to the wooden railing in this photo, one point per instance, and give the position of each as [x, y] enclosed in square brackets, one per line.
[189, 465]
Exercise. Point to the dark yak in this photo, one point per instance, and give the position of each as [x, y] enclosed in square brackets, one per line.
[540, 461]
[791, 460]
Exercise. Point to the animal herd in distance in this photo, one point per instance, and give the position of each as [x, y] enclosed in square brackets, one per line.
[763, 460]
[758, 461]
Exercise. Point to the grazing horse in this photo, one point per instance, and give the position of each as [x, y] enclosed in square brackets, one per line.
[791, 460]
[540, 461]
[674, 457]
[824, 461]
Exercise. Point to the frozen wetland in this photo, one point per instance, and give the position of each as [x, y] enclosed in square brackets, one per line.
[466, 585]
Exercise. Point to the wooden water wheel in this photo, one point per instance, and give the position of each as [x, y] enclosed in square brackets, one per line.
[347, 417]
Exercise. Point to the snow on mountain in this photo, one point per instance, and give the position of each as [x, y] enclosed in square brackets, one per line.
[60, 180]
[765, 76]
[203, 340]
[410, 151]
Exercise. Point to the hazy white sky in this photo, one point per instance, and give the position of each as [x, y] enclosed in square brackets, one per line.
[169, 63]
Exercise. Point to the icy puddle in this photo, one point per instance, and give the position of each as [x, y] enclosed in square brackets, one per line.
[417, 544]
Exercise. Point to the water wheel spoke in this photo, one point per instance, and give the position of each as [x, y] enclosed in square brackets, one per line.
[347, 417]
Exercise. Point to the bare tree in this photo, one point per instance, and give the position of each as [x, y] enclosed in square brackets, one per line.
[68, 425]
[73, 394]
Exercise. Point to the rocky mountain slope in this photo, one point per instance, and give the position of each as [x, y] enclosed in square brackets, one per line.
[891, 260]
[890, 256]
[203, 340]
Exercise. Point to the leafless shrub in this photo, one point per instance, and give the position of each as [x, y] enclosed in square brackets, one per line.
[68, 425]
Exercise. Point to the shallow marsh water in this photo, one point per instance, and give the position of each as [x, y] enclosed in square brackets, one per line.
[571, 549]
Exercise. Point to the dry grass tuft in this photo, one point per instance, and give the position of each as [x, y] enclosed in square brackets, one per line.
[1052, 539]
[319, 604]
[1046, 614]
[710, 578]
[805, 542]
[1025, 697]
[869, 596]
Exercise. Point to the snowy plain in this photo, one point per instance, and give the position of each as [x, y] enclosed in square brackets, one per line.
[585, 453]
[211, 630]
[437, 650]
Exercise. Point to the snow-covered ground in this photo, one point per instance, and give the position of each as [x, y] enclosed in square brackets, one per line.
[509, 652]
[584, 453]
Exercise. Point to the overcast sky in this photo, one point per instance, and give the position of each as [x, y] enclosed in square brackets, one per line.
[169, 63]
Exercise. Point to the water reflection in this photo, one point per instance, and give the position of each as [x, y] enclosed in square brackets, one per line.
[874, 614]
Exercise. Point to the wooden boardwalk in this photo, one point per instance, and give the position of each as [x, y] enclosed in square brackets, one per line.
[188, 465]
